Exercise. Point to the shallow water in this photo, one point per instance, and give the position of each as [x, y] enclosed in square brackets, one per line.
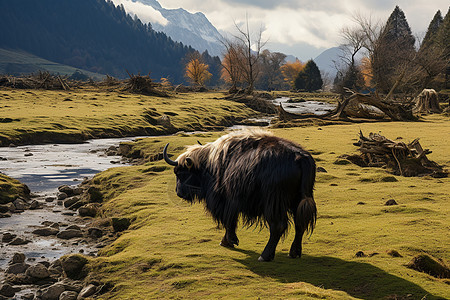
[49, 167]
[311, 107]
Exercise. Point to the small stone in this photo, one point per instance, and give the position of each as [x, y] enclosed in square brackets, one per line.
[62, 196]
[20, 204]
[361, 203]
[7, 290]
[71, 201]
[66, 189]
[28, 296]
[88, 291]
[73, 226]
[17, 268]
[18, 258]
[8, 237]
[69, 234]
[47, 231]
[35, 204]
[50, 199]
[38, 271]
[53, 292]
[360, 254]
[77, 191]
[68, 295]
[390, 202]
[321, 170]
[95, 232]
[394, 253]
[19, 241]
[28, 154]
[88, 210]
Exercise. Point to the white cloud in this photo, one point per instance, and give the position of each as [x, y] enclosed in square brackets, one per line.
[145, 13]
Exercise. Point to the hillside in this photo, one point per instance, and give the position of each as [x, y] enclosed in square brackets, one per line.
[19, 62]
[90, 34]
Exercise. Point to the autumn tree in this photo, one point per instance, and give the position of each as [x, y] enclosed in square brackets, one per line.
[271, 77]
[309, 78]
[290, 71]
[197, 71]
[231, 72]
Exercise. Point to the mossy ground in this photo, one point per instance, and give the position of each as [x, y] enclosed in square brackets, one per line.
[10, 189]
[172, 248]
[39, 116]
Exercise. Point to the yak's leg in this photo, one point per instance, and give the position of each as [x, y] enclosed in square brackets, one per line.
[296, 247]
[276, 231]
[230, 238]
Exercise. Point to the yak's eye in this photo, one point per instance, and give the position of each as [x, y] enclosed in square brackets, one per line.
[189, 163]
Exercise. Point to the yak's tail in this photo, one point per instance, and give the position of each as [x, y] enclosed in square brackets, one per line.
[306, 214]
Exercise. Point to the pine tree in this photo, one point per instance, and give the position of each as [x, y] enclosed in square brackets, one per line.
[309, 78]
[432, 30]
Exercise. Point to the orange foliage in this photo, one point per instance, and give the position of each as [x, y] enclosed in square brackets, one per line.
[230, 68]
[291, 70]
[197, 72]
[366, 70]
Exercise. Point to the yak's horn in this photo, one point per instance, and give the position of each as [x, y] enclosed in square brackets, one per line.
[166, 157]
[199, 143]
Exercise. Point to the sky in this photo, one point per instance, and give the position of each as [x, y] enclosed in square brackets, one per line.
[305, 28]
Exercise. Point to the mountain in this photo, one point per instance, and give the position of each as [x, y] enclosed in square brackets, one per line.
[191, 29]
[325, 61]
[93, 35]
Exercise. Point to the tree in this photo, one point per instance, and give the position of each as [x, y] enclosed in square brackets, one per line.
[309, 78]
[271, 77]
[244, 55]
[197, 71]
[231, 72]
[433, 28]
[290, 71]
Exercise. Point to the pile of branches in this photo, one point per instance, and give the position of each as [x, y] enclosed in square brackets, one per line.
[144, 85]
[256, 101]
[398, 157]
[41, 80]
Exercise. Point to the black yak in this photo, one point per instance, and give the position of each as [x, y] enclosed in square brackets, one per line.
[253, 174]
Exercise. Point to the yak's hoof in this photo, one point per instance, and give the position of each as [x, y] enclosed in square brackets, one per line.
[225, 243]
[265, 260]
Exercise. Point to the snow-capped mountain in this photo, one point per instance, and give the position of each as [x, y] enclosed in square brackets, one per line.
[191, 29]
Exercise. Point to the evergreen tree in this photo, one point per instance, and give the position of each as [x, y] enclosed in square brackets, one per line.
[443, 35]
[394, 47]
[432, 30]
[309, 78]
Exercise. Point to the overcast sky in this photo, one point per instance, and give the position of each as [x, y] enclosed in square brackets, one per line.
[304, 28]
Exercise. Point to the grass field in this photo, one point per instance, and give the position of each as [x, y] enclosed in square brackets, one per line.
[171, 250]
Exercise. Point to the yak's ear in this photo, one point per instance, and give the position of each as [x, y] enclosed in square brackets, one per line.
[189, 162]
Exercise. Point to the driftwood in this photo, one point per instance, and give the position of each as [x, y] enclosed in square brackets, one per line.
[398, 157]
[427, 102]
[143, 85]
[41, 80]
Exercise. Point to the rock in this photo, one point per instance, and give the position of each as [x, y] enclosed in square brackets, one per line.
[69, 234]
[18, 258]
[390, 202]
[4, 208]
[77, 191]
[88, 210]
[19, 241]
[62, 196]
[72, 285]
[7, 290]
[8, 237]
[66, 189]
[28, 296]
[321, 170]
[50, 199]
[77, 205]
[38, 271]
[28, 154]
[394, 253]
[427, 264]
[17, 268]
[71, 201]
[7, 215]
[68, 295]
[47, 231]
[361, 203]
[20, 204]
[73, 266]
[95, 232]
[54, 225]
[120, 224]
[11, 206]
[360, 254]
[35, 204]
[94, 195]
[53, 292]
[73, 226]
[88, 291]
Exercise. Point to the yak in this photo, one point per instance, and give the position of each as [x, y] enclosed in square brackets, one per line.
[265, 179]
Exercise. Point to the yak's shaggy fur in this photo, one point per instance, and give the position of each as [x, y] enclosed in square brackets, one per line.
[256, 175]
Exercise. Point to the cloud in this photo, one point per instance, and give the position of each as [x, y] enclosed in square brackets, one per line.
[146, 13]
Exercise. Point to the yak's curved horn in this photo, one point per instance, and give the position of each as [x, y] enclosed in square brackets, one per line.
[199, 143]
[166, 157]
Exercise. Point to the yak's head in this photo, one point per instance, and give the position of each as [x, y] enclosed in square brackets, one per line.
[189, 178]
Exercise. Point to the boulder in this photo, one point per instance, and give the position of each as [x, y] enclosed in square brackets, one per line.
[53, 292]
[20, 204]
[17, 268]
[120, 224]
[73, 266]
[47, 231]
[4, 208]
[35, 204]
[94, 195]
[8, 237]
[38, 271]
[88, 210]
[71, 201]
[18, 258]
[88, 291]
[19, 241]
[66, 189]
[95, 232]
[61, 196]
[68, 295]
[69, 234]
[7, 290]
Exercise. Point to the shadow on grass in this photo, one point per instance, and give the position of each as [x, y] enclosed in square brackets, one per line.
[358, 279]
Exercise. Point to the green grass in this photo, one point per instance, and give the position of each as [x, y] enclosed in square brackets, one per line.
[20, 62]
[172, 248]
[39, 116]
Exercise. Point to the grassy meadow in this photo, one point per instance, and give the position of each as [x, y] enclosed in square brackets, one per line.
[171, 250]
